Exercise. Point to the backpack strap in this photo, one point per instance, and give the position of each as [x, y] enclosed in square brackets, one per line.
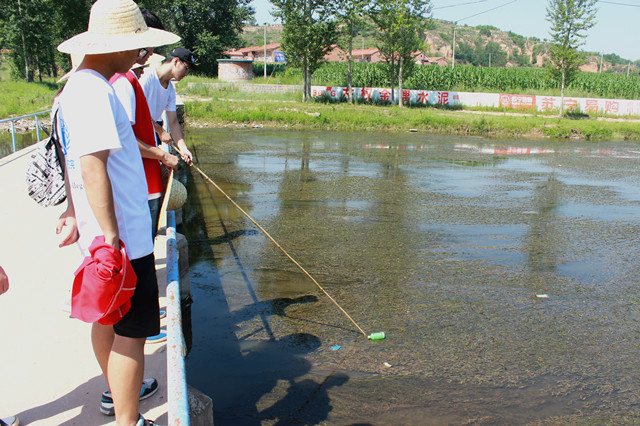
[56, 140]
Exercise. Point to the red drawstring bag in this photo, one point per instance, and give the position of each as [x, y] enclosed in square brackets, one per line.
[103, 285]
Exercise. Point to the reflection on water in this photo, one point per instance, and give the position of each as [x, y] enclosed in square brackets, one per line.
[441, 242]
[23, 140]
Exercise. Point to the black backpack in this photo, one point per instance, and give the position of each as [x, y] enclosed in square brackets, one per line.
[45, 170]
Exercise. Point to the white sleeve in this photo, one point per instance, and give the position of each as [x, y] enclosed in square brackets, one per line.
[171, 98]
[89, 122]
[126, 95]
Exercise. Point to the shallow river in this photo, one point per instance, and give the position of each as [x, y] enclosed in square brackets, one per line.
[504, 273]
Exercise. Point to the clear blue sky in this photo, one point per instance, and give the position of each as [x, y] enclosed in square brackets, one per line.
[615, 31]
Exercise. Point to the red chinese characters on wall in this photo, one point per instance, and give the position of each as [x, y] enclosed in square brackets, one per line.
[570, 104]
[611, 107]
[385, 95]
[365, 93]
[591, 105]
[406, 96]
[548, 104]
[443, 98]
[518, 101]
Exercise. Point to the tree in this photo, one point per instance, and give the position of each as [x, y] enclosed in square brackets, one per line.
[207, 27]
[350, 14]
[309, 33]
[401, 25]
[570, 19]
[28, 32]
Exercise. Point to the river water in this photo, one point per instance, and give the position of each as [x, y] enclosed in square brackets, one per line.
[504, 273]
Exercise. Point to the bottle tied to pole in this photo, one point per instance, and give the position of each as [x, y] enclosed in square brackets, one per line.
[378, 335]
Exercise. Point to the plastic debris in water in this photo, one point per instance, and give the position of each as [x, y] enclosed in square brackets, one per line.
[378, 335]
[335, 348]
[542, 296]
[386, 364]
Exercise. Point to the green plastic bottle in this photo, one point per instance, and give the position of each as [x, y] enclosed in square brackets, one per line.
[378, 335]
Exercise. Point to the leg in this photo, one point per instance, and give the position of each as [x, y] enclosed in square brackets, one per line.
[126, 368]
[154, 208]
[102, 340]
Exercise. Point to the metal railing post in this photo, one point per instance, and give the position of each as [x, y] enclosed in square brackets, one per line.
[176, 373]
[13, 135]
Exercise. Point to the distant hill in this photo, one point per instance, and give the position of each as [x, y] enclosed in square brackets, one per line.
[474, 45]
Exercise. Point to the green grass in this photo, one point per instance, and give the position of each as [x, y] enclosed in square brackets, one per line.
[22, 98]
[345, 117]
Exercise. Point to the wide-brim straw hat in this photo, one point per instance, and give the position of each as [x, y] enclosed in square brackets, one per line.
[116, 26]
[177, 195]
[153, 60]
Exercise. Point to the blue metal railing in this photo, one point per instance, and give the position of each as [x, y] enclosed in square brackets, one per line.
[13, 126]
[176, 372]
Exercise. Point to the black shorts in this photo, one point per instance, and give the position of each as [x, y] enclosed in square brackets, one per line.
[143, 319]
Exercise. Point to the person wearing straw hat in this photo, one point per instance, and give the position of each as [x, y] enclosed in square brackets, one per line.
[108, 186]
[161, 96]
[132, 97]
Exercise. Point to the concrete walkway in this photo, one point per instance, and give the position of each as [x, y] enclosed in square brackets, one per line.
[48, 374]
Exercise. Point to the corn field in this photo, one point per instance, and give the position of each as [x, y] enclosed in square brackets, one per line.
[477, 79]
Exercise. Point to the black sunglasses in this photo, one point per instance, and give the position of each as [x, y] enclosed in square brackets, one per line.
[142, 53]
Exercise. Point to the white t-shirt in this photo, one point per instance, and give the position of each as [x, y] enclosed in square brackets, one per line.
[126, 95]
[92, 119]
[158, 98]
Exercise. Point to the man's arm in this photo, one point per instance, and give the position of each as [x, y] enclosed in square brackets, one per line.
[97, 186]
[156, 153]
[178, 137]
[68, 217]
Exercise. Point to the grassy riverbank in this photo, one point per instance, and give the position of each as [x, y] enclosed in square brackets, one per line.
[232, 108]
[228, 108]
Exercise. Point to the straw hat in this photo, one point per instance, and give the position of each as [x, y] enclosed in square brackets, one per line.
[76, 60]
[116, 26]
[177, 195]
[154, 60]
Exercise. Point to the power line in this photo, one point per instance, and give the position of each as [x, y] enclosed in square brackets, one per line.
[497, 7]
[459, 4]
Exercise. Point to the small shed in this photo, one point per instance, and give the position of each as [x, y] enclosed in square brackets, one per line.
[235, 69]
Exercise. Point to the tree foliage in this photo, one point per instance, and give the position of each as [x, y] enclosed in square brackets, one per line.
[570, 20]
[350, 16]
[309, 33]
[32, 29]
[401, 25]
[207, 27]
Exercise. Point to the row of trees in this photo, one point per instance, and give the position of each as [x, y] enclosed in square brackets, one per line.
[32, 29]
[312, 27]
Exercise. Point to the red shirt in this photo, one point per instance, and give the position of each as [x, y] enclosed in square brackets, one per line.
[143, 129]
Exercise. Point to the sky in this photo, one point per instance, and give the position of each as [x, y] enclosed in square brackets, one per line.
[613, 33]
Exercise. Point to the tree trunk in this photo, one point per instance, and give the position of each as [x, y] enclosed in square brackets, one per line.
[562, 94]
[349, 68]
[400, 82]
[307, 82]
[393, 79]
[28, 76]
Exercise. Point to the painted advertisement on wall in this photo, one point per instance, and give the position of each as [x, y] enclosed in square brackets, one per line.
[473, 99]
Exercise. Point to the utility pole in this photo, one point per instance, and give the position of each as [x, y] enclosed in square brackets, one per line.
[601, 56]
[453, 54]
[628, 68]
[265, 50]
[489, 59]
